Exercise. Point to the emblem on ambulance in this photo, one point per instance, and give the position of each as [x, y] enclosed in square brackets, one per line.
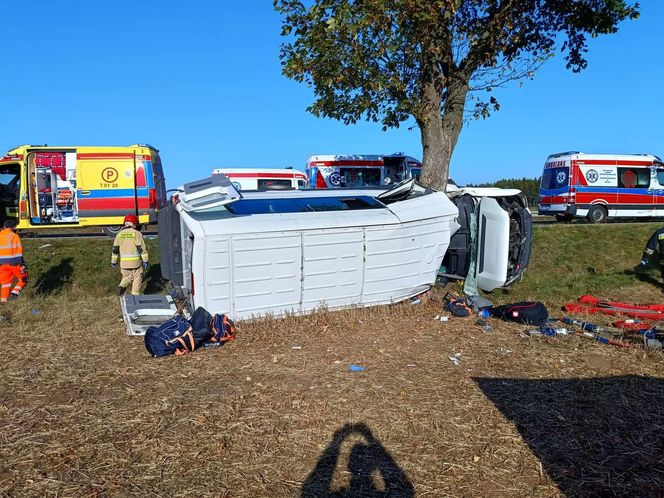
[237, 186]
[592, 176]
[335, 179]
[561, 177]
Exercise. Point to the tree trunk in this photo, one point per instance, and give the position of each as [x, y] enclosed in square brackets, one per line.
[440, 132]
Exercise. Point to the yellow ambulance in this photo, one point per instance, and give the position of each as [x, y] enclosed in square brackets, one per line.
[69, 186]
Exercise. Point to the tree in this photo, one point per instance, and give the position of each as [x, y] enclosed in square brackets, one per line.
[434, 61]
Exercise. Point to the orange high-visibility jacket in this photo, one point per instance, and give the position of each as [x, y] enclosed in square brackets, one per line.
[11, 249]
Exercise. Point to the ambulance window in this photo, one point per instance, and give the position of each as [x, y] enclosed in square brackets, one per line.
[660, 176]
[633, 177]
[9, 185]
[274, 184]
[301, 184]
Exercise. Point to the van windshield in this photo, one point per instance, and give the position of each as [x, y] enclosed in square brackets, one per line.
[553, 178]
[9, 186]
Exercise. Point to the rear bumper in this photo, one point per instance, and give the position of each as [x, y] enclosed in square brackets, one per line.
[554, 209]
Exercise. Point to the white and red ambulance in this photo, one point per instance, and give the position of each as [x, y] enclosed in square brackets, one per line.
[360, 170]
[602, 186]
[264, 178]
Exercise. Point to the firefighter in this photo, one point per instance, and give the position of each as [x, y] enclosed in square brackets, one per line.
[129, 248]
[12, 264]
[655, 243]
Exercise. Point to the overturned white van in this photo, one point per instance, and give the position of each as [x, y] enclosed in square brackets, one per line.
[294, 251]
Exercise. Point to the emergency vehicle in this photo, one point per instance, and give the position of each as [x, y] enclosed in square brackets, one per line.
[602, 186]
[264, 179]
[64, 186]
[333, 171]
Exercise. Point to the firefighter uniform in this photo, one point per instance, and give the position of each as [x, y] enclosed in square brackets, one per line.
[655, 244]
[129, 248]
[12, 265]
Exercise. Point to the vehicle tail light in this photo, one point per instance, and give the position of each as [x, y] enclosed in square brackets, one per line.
[320, 181]
[152, 198]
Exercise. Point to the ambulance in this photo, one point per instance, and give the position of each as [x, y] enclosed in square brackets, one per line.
[360, 170]
[265, 178]
[602, 186]
[46, 187]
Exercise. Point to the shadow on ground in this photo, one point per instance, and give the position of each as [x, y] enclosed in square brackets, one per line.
[594, 437]
[154, 283]
[646, 276]
[374, 473]
[55, 278]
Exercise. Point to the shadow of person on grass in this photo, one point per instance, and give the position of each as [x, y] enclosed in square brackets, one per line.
[55, 278]
[153, 282]
[646, 276]
[367, 460]
[594, 437]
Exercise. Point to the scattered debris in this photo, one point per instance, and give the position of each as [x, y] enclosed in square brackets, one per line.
[355, 368]
[441, 318]
[484, 325]
[296, 347]
[415, 300]
[44, 246]
[36, 312]
[456, 359]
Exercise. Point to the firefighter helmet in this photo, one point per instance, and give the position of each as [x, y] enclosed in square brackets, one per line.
[130, 218]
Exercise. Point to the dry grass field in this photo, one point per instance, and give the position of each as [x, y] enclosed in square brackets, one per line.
[84, 410]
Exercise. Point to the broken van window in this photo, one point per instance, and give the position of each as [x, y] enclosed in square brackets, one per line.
[287, 205]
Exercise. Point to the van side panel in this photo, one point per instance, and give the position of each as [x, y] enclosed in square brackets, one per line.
[217, 273]
[268, 268]
[333, 267]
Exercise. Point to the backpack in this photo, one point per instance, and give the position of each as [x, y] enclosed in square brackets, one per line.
[174, 336]
[456, 305]
[222, 328]
[180, 336]
[530, 312]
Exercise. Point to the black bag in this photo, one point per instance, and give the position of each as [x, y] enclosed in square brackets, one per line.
[530, 312]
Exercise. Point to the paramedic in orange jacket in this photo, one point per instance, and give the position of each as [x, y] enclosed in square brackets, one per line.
[129, 248]
[12, 264]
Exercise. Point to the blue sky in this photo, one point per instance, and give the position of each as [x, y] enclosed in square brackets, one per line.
[201, 80]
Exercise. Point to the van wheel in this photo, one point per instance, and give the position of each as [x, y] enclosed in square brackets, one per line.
[597, 214]
[112, 230]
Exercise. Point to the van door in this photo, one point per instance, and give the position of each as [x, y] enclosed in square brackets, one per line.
[51, 187]
[10, 189]
[657, 187]
[106, 186]
[635, 197]
[493, 237]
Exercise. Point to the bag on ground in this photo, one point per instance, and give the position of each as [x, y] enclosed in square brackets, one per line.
[530, 312]
[456, 305]
[222, 328]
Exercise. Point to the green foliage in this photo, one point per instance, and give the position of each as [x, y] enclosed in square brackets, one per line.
[375, 59]
[529, 186]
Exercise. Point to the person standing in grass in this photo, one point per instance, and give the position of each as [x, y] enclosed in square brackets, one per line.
[655, 244]
[129, 248]
[12, 264]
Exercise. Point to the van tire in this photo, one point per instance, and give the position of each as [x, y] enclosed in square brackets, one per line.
[112, 230]
[597, 214]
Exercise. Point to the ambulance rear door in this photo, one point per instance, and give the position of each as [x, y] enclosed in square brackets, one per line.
[106, 186]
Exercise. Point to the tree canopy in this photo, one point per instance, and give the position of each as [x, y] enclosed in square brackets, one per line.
[432, 61]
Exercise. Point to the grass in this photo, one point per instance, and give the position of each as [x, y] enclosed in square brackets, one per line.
[84, 411]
